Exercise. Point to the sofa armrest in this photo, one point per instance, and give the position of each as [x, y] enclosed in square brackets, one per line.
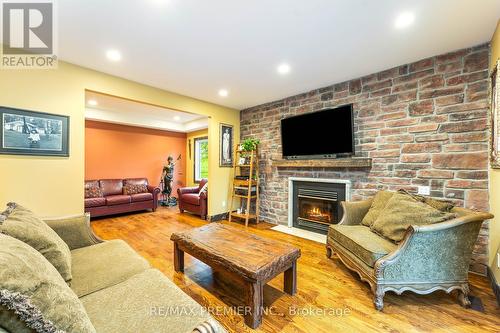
[203, 195]
[438, 252]
[74, 230]
[354, 211]
[185, 190]
[153, 189]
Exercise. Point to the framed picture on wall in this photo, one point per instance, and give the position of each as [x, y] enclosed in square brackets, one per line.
[226, 145]
[495, 113]
[24, 132]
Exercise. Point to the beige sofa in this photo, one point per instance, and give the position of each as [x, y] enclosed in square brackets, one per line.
[119, 289]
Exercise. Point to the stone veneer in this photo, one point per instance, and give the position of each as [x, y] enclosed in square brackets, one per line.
[424, 123]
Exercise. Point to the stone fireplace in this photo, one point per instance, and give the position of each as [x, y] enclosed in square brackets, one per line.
[315, 203]
[420, 124]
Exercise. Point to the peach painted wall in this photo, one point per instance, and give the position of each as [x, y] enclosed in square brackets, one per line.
[119, 151]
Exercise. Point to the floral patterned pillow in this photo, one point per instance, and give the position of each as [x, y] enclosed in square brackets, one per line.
[134, 189]
[93, 192]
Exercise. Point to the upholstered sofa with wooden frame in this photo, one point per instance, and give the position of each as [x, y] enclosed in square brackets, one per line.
[429, 258]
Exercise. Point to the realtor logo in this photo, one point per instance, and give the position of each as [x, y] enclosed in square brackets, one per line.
[28, 34]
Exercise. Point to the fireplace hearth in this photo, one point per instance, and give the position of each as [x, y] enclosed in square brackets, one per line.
[316, 203]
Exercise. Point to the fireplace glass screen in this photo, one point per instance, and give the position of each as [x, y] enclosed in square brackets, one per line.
[316, 205]
[317, 210]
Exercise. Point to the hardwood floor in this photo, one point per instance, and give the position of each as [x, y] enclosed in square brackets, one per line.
[330, 298]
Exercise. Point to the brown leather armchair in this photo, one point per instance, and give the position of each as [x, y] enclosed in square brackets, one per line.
[193, 199]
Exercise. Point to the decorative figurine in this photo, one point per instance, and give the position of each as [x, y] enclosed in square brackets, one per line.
[167, 178]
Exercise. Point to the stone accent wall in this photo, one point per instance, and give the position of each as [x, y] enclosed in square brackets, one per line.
[424, 123]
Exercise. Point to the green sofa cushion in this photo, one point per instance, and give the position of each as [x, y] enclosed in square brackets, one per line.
[361, 241]
[442, 205]
[35, 294]
[22, 224]
[103, 265]
[403, 210]
[145, 303]
[379, 202]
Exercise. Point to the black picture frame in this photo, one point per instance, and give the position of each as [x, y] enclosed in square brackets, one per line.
[223, 161]
[33, 133]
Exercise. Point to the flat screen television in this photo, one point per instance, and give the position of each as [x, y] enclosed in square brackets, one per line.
[326, 133]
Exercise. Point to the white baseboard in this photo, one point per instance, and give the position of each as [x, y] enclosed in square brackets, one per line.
[320, 238]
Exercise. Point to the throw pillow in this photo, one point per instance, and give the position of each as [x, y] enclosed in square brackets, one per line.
[93, 192]
[442, 205]
[33, 296]
[22, 224]
[134, 189]
[402, 211]
[378, 204]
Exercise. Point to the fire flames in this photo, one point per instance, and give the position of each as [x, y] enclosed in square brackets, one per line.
[317, 214]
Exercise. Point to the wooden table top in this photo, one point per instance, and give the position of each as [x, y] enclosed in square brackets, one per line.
[252, 257]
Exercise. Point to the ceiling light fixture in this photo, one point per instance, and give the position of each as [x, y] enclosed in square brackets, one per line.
[223, 93]
[283, 68]
[177, 118]
[92, 102]
[114, 55]
[404, 20]
[160, 2]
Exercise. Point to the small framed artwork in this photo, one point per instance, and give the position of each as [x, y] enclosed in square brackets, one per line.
[226, 146]
[24, 132]
[495, 114]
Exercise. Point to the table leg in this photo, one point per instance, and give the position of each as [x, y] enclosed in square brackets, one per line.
[290, 285]
[255, 304]
[178, 259]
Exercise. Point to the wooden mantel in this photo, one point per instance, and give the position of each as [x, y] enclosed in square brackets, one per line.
[352, 162]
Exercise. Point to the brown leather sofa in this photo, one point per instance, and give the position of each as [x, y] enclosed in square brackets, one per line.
[114, 201]
[193, 200]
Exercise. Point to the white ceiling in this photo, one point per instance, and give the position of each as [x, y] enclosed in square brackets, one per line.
[125, 112]
[196, 47]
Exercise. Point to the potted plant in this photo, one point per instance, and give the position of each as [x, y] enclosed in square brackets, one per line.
[247, 146]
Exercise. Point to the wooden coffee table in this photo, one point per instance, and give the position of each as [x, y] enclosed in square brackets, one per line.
[239, 255]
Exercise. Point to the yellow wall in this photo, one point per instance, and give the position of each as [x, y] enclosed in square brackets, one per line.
[190, 161]
[495, 173]
[54, 186]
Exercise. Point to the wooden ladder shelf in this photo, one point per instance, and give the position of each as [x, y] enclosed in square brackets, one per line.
[245, 189]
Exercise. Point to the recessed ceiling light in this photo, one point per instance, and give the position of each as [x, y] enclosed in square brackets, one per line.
[160, 2]
[223, 93]
[92, 102]
[177, 118]
[283, 68]
[114, 55]
[404, 20]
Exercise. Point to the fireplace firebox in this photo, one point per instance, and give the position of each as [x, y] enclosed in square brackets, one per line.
[316, 205]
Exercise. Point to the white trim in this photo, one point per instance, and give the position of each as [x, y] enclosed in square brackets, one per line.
[313, 236]
[317, 180]
[197, 157]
